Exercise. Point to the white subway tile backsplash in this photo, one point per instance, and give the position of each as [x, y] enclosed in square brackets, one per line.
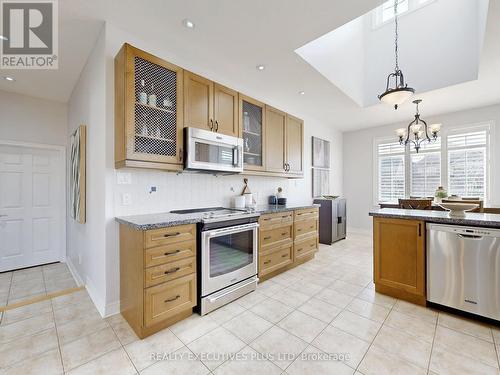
[193, 190]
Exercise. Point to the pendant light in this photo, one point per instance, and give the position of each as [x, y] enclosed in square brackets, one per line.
[418, 129]
[400, 93]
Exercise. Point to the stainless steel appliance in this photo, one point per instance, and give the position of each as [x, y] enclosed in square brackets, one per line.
[210, 151]
[227, 256]
[463, 268]
[332, 220]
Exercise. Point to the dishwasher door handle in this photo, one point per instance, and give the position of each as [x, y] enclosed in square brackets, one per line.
[469, 236]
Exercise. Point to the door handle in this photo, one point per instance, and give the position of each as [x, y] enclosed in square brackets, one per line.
[173, 270]
[469, 236]
[180, 154]
[172, 252]
[172, 234]
[211, 124]
[216, 125]
[172, 299]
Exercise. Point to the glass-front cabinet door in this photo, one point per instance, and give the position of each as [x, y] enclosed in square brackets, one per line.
[252, 118]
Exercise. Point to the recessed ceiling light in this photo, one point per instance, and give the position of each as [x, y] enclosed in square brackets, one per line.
[10, 79]
[187, 23]
[260, 67]
[3, 37]
[302, 92]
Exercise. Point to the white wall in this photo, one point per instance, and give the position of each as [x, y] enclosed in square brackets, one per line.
[358, 160]
[33, 120]
[86, 250]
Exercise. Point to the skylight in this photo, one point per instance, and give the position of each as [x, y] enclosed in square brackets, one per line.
[385, 12]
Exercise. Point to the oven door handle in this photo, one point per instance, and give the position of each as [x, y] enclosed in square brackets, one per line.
[213, 299]
[236, 229]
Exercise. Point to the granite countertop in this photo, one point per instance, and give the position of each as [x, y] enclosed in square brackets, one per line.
[167, 219]
[442, 217]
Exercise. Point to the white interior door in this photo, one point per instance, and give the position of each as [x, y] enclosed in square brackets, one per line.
[31, 206]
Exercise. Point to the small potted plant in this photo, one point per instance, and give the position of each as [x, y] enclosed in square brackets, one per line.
[440, 194]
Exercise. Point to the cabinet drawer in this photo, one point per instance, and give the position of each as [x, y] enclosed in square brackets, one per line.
[169, 253]
[306, 247]
[168, 299]
[165, 236]
[273, 220]
[276, 259]
[169, 271]
[308, 213]
[304, 228]
[272, 237]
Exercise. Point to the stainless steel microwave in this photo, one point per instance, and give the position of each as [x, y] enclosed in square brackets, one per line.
[210, 151]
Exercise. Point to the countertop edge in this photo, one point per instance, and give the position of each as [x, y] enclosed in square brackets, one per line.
[179, 220]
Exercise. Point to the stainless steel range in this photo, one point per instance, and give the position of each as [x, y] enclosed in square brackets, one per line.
[227, 255]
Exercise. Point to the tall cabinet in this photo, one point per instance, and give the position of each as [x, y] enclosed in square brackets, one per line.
[148, 111]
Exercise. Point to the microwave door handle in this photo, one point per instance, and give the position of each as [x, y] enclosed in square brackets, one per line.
[236, 156]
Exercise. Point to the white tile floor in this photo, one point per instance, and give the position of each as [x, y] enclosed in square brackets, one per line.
[31, 282]
[326, 306]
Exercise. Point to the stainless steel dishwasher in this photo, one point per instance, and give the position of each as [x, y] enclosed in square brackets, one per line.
[463, 268]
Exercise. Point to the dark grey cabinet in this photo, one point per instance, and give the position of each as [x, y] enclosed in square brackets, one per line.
[332, 220]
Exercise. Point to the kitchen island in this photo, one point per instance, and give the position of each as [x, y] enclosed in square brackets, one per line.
[400, 248]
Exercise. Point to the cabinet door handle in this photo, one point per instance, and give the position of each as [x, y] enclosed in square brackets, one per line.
[284, 233]
[299, 230]
[216, 125]
[211, 124]
[180, 154]
[284, 217]
[172, 252]
[299, 250]
[312, 245]
[173, 270]
[420, 229]
[172, 234]
[267, 238]
[173, 299]
[267, 262]
[284, 256]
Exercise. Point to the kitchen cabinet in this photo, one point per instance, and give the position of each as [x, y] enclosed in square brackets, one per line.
[157, 276]
[252, 118]
[287, 239]
[399, 258]
[148, 111]
[294, 145]
[210, 106]
[284, 143]
[275, 140]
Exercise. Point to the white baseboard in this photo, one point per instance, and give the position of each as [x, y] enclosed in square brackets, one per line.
[112, 308]
[96, 297]
[74, 272]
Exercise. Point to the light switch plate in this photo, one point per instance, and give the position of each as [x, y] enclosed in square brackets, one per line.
[126, 199]
[123, 178]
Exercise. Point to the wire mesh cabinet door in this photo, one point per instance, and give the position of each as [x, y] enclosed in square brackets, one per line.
[149, 125]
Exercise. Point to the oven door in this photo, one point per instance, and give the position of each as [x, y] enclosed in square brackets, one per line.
[213, 152]
[228, 255]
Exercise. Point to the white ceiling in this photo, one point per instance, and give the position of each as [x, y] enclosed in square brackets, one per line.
[232, 36]
[367, 49]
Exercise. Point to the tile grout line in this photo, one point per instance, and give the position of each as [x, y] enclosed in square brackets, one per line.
[432, 345]
[57, 336]
[122, 346]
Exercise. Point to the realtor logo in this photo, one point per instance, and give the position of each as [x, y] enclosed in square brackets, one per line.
[29, 34]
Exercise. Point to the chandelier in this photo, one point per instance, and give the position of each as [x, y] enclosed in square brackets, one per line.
[400, 92]
[418, 130]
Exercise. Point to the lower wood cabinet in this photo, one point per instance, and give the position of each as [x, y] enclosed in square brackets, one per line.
[157, 276]
[287, 239]
[399, 258]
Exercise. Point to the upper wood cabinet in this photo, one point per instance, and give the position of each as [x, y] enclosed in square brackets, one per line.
[198, 101]
[294, 145]
[275, 140]
[148, 111]
[252, 119]
[399, 258]
[210, 106]
[226, 110]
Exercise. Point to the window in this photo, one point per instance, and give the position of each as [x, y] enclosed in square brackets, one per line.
[385, 12]
[391, 167]
[425, 170]
[467, 164]
[458, 160]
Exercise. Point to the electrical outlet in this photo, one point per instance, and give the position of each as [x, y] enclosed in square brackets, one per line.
[152, 189]
[123, 178]
[126, 199]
